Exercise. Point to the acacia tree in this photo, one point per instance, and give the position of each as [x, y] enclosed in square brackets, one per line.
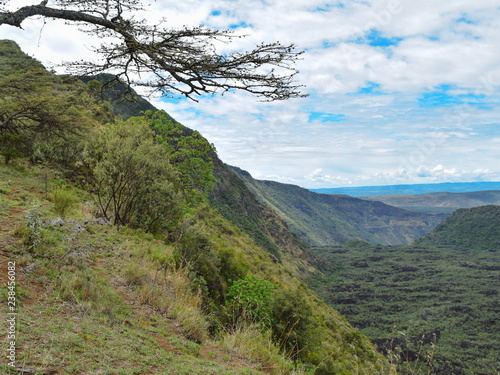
[180, 61]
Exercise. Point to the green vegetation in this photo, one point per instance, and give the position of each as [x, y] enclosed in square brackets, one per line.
[432, 307]
[250, 300]
[140, 273]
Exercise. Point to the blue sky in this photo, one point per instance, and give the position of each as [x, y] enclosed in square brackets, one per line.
[399, 91]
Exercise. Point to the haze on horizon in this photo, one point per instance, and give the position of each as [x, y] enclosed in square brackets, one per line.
[400, 92]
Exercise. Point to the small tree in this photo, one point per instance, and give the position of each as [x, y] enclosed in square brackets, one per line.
[131, 176]
[175, 61]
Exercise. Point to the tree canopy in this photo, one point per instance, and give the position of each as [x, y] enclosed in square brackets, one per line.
[173, 62]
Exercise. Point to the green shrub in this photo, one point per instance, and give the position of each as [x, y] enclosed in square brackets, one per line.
[250, 300]
[34, 226]
[63, 200]
[10, 146]
[131, 176]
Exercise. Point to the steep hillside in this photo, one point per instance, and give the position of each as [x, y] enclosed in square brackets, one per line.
[230, 196]
[473, 228]
[233, 199]
[323, 220]
[440, 202]
[116, 246]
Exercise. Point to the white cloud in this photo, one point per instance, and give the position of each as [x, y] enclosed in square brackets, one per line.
[319, 176]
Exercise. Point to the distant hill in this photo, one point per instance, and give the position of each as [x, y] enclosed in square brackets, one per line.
[440, 202]
[326, 220]
[450, 187]
[470, 228]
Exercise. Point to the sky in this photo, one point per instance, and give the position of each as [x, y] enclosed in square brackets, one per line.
[400, 91]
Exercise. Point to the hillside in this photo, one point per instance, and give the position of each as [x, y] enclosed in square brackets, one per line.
[115, 244]
[473, 228]
[322, 220]
[440, 202]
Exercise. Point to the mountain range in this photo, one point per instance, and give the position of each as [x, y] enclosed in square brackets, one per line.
[450, 187]
[443, 202]
[329, 220]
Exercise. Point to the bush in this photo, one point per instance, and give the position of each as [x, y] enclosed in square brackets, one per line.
[34, 226]
[10, 146]
[63, 200]
[131, 177]
[250, 300]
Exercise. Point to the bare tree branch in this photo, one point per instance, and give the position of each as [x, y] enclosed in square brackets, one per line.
[173, 61]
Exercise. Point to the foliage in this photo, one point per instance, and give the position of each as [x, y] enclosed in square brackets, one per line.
[131, 176]
[63, 200]
[250, 300]
[10, 146]
[34, 226]
[188, 151]
[184, 61]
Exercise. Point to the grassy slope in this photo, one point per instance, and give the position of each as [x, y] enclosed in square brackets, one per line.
[323, 220]
[81, 297]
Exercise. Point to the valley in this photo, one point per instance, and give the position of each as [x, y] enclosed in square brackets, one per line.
[432, 305]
